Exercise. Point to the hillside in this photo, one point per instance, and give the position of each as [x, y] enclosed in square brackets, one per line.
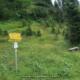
[44, 31]
[39, 58]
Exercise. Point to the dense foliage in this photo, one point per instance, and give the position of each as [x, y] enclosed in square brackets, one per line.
[72, 16]
[45, 13]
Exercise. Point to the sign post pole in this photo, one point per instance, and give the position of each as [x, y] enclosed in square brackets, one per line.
[16, 57]
[16, 60]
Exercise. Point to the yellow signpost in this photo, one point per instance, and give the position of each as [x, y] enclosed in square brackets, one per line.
[15, 37]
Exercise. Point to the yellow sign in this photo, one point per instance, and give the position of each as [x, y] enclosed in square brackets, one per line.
[15, 36]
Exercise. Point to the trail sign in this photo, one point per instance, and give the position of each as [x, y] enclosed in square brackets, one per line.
[15, 37]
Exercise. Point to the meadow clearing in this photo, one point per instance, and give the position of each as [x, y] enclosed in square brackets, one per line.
[39, 58]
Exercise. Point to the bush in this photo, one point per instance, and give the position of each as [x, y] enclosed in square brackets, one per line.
[38, 33]
[23, 22]
[53, 30]
[23, 33]
[5, 33]
[1, 31]
[27, 32]
[72, 35]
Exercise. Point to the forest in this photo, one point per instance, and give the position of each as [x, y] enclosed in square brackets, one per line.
[50, 45]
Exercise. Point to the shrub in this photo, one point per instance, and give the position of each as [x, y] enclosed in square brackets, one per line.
[23, 22]
[5, 33]
[23, 33]
[53, 30]
[1, 31]
[29, 31]
[38, 33]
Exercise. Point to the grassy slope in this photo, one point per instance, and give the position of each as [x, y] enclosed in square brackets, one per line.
[43, 56]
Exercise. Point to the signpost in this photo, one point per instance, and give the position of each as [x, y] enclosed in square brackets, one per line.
[15, 37]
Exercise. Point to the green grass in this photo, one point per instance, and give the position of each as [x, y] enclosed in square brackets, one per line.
[37, 57]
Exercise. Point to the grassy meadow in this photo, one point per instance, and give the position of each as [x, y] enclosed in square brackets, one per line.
[39, 58]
